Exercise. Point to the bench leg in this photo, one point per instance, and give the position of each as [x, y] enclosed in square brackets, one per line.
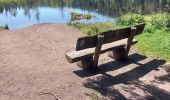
[90, 63]
[97, 51]
[118, 54]
[86, 63]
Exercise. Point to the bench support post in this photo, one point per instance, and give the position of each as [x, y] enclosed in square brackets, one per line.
[86, 63]
[118, 54]
[122, 52]
[90, 63]
[130, 40]
[97, 51]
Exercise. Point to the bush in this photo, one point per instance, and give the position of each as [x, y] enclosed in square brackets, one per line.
[154, 22]
[161, 21]
[130, 19]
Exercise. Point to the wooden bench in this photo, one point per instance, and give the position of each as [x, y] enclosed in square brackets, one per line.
[117, 42]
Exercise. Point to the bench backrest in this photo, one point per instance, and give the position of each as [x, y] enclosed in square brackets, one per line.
[109, 36]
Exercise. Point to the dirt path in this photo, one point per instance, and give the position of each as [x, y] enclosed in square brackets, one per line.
[32, 60]
[33, 67]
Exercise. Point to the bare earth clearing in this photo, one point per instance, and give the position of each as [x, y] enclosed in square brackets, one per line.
[33, 67]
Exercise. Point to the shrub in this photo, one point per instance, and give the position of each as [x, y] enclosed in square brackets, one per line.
[161, 21]
[130, 19]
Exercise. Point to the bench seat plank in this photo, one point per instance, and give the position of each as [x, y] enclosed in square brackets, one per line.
[75, 56]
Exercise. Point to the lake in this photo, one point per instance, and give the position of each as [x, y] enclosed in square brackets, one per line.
[20, 13]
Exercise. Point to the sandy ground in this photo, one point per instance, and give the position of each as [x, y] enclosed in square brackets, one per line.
[33, 67]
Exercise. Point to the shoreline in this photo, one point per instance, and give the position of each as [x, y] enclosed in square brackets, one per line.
[35, 24]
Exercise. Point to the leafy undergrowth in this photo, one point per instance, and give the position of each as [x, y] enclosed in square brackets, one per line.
[156, 44]
[155, 40]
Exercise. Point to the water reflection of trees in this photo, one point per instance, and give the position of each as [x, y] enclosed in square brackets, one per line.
[105, 7]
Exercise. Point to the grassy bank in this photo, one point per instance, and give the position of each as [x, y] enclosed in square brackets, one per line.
[155, 39]
[95, 28]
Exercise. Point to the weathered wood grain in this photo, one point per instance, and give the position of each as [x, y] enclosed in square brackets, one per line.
[75, 56]
[97, 51]
[109, 36]
[130, 40]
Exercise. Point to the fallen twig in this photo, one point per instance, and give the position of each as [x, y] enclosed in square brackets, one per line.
[50, 93]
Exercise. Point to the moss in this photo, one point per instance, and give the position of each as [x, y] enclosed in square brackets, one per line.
[77, 16]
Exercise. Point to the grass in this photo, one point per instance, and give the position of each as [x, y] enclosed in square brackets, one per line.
[77, 16]
[154, 41]
[157, 44]
[94, 28]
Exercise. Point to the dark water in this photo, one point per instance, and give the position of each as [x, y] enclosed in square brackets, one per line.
[20, 13]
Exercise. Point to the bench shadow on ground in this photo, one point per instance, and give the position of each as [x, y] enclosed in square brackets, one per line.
[104, 84]
[165, 78]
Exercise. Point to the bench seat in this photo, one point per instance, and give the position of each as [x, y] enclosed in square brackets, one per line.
[75, 56]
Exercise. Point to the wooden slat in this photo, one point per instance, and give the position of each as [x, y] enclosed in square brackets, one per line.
[109, 36]
[139, 28]
[114, 35]
[97, 51]
[130, 40]
[86, 42]
[75, 56]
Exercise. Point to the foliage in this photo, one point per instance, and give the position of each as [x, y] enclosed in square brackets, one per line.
[154, 21]
[130, 19]
[159, 21]
[94, 28]
[4, 27]
[156, 43]
[77, 16]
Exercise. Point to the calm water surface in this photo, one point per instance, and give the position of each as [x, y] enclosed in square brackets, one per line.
[21, 13]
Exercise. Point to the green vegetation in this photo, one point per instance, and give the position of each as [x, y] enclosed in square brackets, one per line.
[130, 19]
[91, 29]
[156, 37]
[155, 21]
[155, 40]
[4, 27]
[77, 16]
